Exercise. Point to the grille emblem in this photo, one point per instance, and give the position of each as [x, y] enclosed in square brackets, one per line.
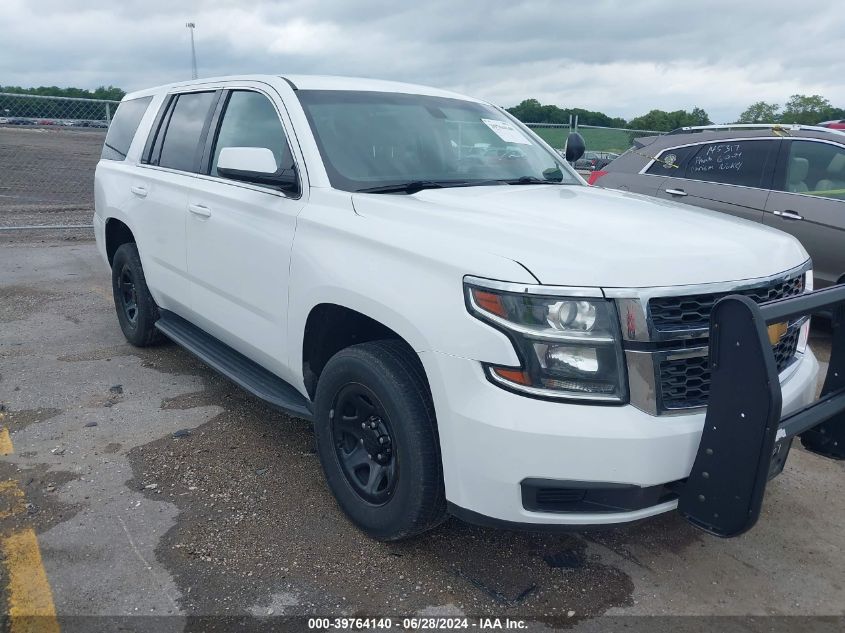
[776, 332]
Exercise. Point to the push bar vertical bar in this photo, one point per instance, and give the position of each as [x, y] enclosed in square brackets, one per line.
[724, 492]
[828, 438]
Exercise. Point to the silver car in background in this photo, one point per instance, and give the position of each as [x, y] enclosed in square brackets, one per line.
[791, 177]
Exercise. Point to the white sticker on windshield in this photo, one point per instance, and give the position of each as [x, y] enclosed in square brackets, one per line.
[506, 132]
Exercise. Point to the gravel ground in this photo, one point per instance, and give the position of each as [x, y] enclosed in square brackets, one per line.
[158, 487]
[47, 174]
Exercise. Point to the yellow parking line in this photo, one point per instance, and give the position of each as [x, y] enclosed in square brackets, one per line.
[30, 600]
[31, 607]
[11, 499]
[6, 447]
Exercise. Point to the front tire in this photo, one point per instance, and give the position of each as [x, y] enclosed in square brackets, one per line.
[377, 440]
[137, 312]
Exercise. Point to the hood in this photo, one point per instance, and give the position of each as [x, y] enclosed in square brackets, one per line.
[585, 236]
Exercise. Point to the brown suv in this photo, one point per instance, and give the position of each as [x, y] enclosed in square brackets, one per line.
[791, 177]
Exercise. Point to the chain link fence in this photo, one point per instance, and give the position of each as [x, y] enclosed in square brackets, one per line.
[49, 147]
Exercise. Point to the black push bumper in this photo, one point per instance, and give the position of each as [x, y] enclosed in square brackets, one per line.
[745, 439]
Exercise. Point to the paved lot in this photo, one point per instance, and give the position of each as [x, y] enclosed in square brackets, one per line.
[156, 487]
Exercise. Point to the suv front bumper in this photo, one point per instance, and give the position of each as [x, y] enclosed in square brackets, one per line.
[496, 445]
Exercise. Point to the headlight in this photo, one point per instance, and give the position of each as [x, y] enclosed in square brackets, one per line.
[569, 347]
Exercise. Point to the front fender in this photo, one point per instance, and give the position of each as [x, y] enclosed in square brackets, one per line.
[407, 283]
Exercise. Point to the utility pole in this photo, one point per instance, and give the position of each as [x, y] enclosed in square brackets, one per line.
[191, 26]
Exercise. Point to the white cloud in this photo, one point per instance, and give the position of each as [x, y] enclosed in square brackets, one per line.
[619, 57]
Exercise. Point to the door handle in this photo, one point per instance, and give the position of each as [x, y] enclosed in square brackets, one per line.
[139, 191]
[789, 215]
[676, 192]
[200, 210]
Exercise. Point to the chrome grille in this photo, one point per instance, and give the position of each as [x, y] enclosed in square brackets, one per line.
[692, 312]
[665, 331]
[685, 382]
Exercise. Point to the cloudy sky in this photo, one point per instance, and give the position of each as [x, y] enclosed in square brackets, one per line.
[621, 57]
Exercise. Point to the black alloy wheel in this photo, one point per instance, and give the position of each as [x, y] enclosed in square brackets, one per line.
[362, 437]
[128, 295]
[136, 309]
[377, 439]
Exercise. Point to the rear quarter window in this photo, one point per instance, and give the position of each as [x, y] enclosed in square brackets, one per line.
[123, 126]
[671, 162]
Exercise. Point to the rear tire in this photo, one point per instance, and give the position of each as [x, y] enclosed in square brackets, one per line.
[137, 312]
[377, 440]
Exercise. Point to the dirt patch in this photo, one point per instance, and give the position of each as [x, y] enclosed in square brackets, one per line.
[48, 237]
[667, 532]
[109, 398]
[41, 509]
[19, 302]
[112, 447]
[102, 353]
[256, 516]
[189, 401]
[17, 420]
[12, 353]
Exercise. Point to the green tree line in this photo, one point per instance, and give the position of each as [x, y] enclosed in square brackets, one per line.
[59, 108]
[532, 111]
[804, 109]
[109, 93]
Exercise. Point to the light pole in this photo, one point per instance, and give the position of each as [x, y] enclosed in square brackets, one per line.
[191, 26]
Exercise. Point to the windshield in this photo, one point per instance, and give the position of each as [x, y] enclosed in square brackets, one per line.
[372, 140]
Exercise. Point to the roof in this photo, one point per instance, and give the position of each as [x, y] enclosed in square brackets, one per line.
[313, 82]
[686, 136]
[330, 82]
[782, 129]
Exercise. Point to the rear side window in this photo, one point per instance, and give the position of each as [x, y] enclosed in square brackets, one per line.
[123, 126]
[745, 163]
[184, 129]
[672, 162]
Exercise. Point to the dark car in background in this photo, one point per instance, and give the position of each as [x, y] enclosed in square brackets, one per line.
[591, 161]
[790, 177]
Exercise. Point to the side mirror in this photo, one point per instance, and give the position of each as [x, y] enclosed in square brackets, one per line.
[575, 147]
[256, 165]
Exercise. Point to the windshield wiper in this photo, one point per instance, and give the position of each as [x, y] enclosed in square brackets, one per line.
[418, 185]
[529, 180]
[412, 187]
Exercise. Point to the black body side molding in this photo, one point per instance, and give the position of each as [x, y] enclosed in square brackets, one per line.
[234, 365]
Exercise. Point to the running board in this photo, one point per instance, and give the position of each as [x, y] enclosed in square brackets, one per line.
[234, 365]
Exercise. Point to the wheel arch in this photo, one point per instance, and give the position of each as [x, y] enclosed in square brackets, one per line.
[331, 327]
[117, 234]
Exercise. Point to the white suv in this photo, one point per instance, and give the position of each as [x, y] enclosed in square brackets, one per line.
[470, 327]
